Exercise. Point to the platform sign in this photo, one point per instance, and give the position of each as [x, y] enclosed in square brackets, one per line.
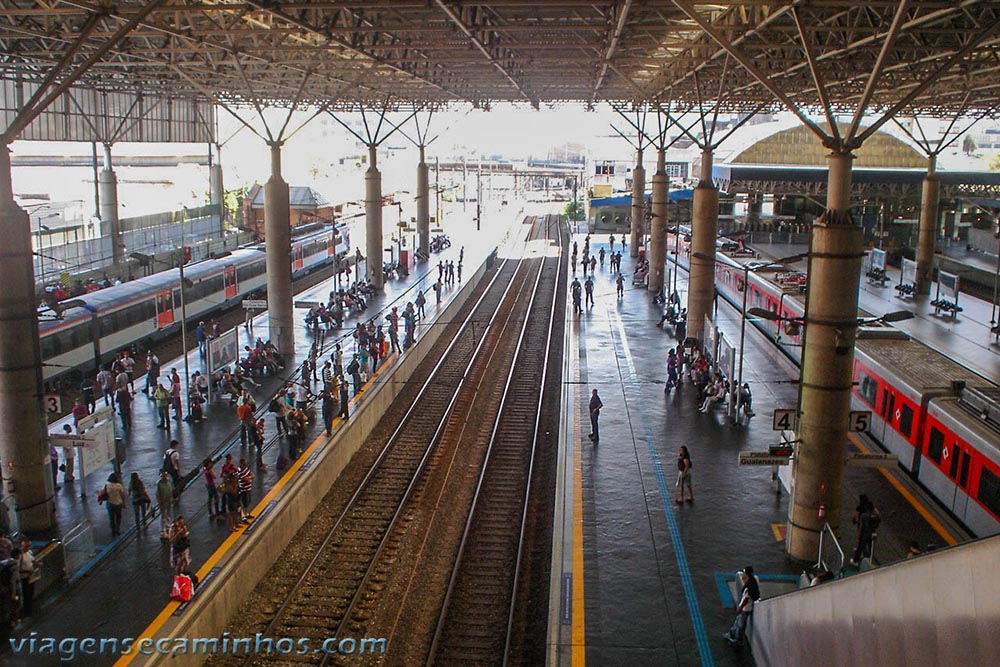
[306, 304]
[223, 350]
[947, 286]
[99, 446]
[877, 260]
[101, 414]
[863, 460]
[860, 421]
[786, 420]
[762, 459]
[53, 403]
[255, 304]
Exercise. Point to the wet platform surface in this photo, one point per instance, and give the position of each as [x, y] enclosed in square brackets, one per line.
[126, 583]
[638, 578]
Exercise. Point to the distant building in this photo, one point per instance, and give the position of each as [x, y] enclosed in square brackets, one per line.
[305, 206]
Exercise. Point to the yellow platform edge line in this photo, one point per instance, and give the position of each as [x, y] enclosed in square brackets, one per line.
[228, 543]
[579, 625]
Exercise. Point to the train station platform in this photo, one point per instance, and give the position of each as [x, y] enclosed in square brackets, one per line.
[125, 582]
[637, 578]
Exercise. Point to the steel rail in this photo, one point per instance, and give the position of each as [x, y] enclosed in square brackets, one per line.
[384, 453]
[489, 460]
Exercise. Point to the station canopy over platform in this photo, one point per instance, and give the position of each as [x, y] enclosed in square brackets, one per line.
[932, 56]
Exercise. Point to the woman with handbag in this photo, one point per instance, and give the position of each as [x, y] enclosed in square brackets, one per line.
[180, 545]
[114, 494]
[140, 498]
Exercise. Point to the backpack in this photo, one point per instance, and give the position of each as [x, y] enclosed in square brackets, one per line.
[182, 588]
[168, 462]
[870, 522]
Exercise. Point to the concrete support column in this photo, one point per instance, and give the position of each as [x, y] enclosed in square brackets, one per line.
[423, 207]
[928, 227]
[278, 233]
[217, 191]
[835, 256]
[638, 203]
[658, 234]
[23, 447]
[704, 225]
[108, 186]
[373, 219]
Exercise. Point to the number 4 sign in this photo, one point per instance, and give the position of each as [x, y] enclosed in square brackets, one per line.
[785, 420]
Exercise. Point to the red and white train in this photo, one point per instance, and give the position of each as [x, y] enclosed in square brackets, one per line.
[941, 419]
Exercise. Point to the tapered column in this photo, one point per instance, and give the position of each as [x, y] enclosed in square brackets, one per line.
[217, 191]
[277, 234]
[373, 219]
[658, 234]
[423, 207]
[928, 227]
[23, 448]
[704, 223]
[638, 203]
[108, 187]
[835, 255]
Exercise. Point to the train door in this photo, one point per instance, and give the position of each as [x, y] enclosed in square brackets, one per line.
[229, 281]
[331, 246]
[298, 257]
[165, 308]
[958, 471]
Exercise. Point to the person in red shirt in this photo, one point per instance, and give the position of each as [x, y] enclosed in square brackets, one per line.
[79, 412]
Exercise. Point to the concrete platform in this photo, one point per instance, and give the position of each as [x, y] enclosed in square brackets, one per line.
[125, 585]
[637, 578]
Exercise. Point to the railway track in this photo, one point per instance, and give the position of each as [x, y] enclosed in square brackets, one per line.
[364, 571]
[475, 623]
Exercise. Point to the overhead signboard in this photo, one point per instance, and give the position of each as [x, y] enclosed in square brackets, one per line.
[786, 420]
[865, 460]
[306, 304]
[255, 304]
[53, 403]
[762, 459]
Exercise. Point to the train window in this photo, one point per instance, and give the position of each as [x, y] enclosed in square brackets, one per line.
[50, 346]
[905, 420]
[955, 453]
[868, 388]
[989, 491]
[935, 445]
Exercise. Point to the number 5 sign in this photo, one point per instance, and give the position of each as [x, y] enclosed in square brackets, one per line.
[860, 420]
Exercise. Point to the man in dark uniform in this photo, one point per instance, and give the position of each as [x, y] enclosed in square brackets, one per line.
[595, 411]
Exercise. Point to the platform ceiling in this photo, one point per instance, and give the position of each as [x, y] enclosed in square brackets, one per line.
[942, 53]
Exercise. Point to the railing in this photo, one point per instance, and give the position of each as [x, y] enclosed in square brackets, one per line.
[78, 548]
[830, 557]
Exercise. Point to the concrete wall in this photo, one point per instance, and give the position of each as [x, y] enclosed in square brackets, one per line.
[208, 614]
[939, 609]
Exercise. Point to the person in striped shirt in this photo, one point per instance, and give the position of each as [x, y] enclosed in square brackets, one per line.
[245, 477]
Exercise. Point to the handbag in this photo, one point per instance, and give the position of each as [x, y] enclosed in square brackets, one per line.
[102, 495]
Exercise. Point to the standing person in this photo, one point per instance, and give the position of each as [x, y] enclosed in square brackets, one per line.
[54, 462]
[114, 494]
[575, 291]
[354, 369]
[128, 363]
[140, 498]
[180, 545]
[345, 411]
[152, 373]
[211, 487]
[244, 412]
[231, 489]
[79, 411]
[165, 502]
[124, 400]
[420, 301]
[30, 571]
[671, 371]
[459, 270]
[588, 287]
[611, 241]
[593, 264]
[749, 594]
[595, 412]
[161, 397]
[202, 337]
[87, 392]
[175, 393]
[338, 358]
[620, 285]
[600, 257]
[245, 484]
[327, 376]
[329, 411]
[172, 464]
[106, 383]
[867, 518]
[69, 458]
[684, 475]
[437, 292]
